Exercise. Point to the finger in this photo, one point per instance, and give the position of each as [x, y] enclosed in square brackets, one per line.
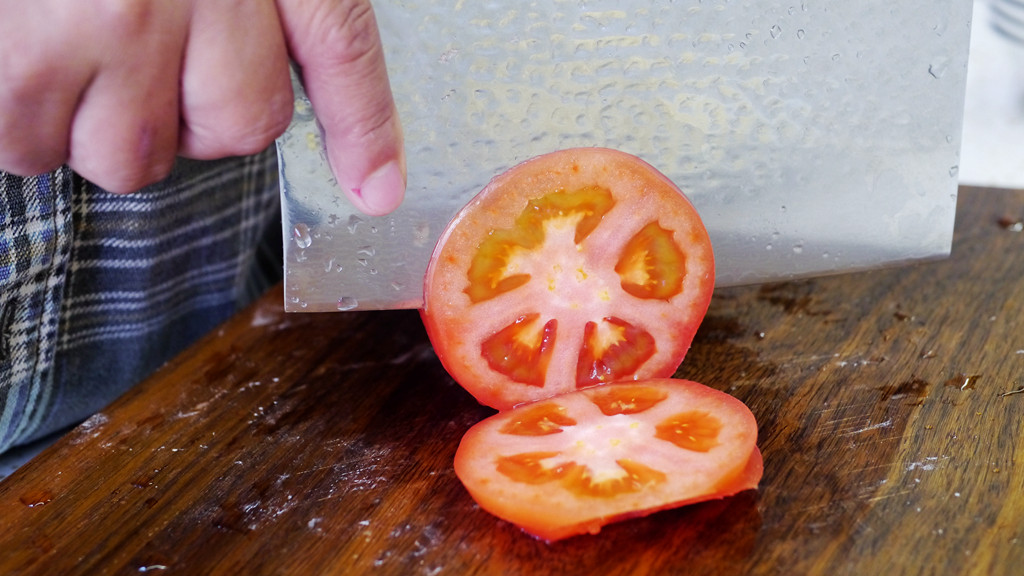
[125, 130]
[236, 91]
[39, 90]
[337, 45]
[35, 115]
[124, 137]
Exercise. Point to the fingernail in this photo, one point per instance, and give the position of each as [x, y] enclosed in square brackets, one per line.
[383, 190]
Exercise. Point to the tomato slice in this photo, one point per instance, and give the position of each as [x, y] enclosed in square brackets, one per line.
[575, 268]
[572, 463]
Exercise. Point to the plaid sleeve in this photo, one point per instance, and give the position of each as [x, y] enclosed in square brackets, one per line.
[35, 239]
[108, 287]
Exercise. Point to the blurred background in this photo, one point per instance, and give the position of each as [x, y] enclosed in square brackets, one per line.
[992, 151]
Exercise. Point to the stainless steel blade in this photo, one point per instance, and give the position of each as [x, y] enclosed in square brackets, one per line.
[814, 137]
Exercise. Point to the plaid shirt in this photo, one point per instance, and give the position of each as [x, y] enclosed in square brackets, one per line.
[97, 290]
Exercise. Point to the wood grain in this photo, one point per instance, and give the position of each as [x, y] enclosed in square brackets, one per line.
[888, 403]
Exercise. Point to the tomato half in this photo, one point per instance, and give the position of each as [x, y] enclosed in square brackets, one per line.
[575, 268]
[572, 463]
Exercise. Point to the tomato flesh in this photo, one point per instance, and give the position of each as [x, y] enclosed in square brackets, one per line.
[577, 268]
[633, 477]
[612, 350]
[697, 431]
[529, 468]
[627, 399]
[521, 350]
[538, 420]
[609, 452]
[651, 264]
[493, 268]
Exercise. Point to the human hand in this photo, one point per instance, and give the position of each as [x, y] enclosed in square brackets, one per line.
[117, 88]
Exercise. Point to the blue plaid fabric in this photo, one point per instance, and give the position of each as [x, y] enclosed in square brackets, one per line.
[35, 244]
[97, 290]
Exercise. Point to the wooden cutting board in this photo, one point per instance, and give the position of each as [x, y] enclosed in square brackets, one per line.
[890, 407]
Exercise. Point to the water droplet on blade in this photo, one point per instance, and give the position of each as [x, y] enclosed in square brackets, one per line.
[301, 235]
[346, 303]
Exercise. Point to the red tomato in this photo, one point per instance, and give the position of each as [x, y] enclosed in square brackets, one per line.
[572, 463]
[575, 268]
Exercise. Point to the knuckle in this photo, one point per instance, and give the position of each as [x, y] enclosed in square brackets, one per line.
[349, 33]
[221, 141]
[377, 123]
[249, 142]
[123, 179]
[124, 164]
[29, 144]
[27, 165]
[249, 130]
[23, 78]
[270, 124]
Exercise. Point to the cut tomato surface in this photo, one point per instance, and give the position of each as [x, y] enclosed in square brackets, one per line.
[575, 268]
[572, 463]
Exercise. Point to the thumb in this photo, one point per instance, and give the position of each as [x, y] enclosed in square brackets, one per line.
[337, 46]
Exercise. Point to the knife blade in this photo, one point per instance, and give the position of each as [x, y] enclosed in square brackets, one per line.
[807, 147]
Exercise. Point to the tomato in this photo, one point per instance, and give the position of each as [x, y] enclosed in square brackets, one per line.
[576, 268]
[572, 463]
[564, 295]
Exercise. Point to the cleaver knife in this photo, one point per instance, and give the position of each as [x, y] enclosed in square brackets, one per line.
[814, 137]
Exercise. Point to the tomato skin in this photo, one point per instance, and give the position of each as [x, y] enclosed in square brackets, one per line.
[592, 467]
[575, 238]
